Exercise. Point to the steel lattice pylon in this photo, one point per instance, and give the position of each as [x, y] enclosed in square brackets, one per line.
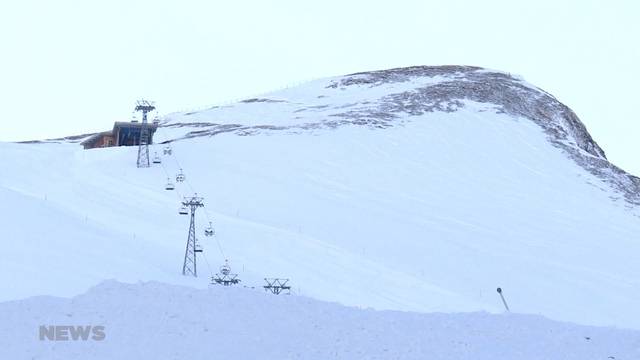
[143, 143]
[189, 266]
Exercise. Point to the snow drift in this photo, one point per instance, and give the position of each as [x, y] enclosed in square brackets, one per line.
[158, 321]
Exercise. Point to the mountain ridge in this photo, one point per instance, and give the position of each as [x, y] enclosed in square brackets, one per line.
[447, 90]
[457, 84]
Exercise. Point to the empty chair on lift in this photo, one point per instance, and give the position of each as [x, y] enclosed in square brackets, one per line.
[225, 269]
[180, 177]
[156, 120]
[167, 150]
[184, 210]
[134, 118]
[156, 159]
[209, 231]
[170, 185]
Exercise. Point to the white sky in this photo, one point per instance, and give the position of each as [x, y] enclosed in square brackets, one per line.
[70, 67]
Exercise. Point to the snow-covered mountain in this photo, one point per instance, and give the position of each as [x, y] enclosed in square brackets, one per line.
[387, 98]
[417, 189]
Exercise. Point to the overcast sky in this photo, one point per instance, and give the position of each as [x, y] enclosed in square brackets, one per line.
[70, 67]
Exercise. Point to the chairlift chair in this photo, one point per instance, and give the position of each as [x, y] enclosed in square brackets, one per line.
[225, 269]
[209, 231]
[180, 177]
[170, 185]
[184, 210]
[167, 150]
[156, 120]
[156, 159]
[225, 277]
[134, 118]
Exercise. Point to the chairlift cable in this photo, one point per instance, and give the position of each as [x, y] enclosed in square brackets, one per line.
[207, 215]
[207, 262]
[176, 190]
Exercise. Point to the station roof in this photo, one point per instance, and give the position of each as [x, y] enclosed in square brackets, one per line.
[126, 124]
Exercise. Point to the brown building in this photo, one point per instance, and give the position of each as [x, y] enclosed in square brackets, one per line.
[123, 134]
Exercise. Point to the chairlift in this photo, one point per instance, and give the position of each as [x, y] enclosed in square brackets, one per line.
[225, 277]
[225, 269]
[180, 177]
[134, 118]
[209, 231]
[184, 210]
[167, 150]
[156, 159]
[170, 185]
[156, 120]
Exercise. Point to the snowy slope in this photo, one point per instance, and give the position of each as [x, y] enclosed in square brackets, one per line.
[156, 321]
[369, 190]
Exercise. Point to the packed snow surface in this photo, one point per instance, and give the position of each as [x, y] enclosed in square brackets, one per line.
[355, 190]
[158, 321]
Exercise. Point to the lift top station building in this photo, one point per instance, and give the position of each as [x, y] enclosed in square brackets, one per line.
[123, 134]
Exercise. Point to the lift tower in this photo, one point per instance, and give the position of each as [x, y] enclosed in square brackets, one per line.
[189, 266]
[277, 286]
[143, 143]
